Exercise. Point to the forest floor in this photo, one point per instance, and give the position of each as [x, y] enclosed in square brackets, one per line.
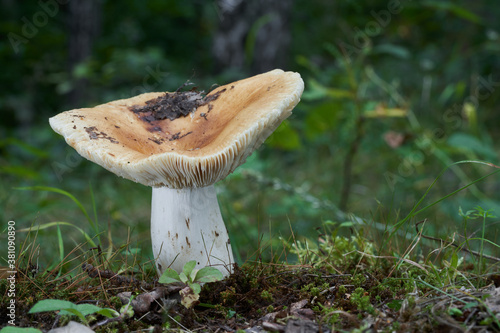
[368, 296]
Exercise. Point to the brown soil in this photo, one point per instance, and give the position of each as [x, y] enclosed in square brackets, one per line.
[257, 298]
[174, 105]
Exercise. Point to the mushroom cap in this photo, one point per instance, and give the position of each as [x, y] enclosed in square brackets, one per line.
[193, 151]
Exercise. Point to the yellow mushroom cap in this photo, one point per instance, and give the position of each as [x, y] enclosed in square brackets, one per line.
[193, 151]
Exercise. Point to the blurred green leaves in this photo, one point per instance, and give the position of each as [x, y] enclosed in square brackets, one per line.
[285, 137]
[316, 90]
[469, 145]
[322, 118]
[453, 8]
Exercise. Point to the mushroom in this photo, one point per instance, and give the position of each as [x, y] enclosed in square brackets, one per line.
[181, 144]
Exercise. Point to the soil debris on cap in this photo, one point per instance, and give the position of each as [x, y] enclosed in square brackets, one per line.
[174, 105]
[94, 134]
[173, 137]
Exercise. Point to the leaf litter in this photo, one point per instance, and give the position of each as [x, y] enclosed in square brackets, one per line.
[276, 298]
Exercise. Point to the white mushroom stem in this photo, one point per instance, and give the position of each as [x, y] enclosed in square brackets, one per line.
[186, 224]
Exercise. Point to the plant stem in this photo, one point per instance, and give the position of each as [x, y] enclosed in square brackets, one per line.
[347, 172]
[480, 264]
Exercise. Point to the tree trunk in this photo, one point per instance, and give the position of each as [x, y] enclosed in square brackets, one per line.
[253, 36]
[84, 20]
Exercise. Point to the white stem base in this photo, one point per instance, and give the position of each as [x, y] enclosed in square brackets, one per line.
[186, 224]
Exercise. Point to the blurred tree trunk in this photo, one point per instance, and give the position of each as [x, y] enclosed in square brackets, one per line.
[84, 20]
[252, 35]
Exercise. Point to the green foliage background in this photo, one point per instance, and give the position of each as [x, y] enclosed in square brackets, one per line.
[425, 78]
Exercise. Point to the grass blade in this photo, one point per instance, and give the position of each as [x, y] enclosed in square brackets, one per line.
[70, 196]
[94, 207]
[61, 248]
[414, 210]
[51, 224]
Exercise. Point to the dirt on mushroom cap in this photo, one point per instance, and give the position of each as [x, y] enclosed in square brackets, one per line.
[191, 151]
[174, 105]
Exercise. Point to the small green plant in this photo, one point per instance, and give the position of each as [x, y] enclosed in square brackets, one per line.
[14, 329]
[333, 250]
[72, 309]
[330, 313]
[477, 213]
[313, 289]
[362, 300]
[228, 296]
[191, 278]
[68, 308]
[266, 295]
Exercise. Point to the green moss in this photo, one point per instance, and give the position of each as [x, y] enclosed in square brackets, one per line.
[342, 290]
[328, 314]
[358, 280]
[361, 299]
[228, 295]
[267, 296]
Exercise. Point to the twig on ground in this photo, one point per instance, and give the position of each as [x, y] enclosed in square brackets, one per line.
[107, 321]
[115, 278]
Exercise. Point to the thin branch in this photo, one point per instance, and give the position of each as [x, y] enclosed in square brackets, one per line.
[107, 321]
[113, 277]
[461, 248]
[347, 172]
